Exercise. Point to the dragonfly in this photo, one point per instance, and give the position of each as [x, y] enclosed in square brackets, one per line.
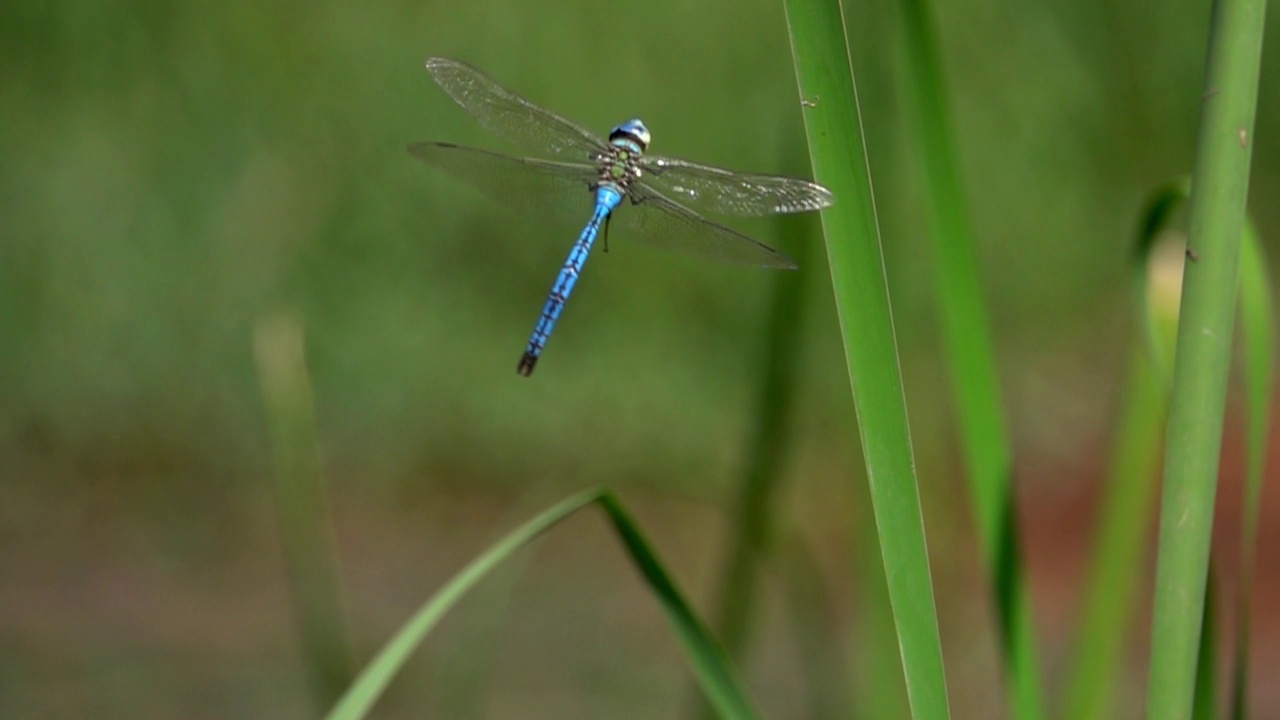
[659, 200]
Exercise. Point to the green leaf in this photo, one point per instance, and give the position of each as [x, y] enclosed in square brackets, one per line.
[706, 658]
[834, 128]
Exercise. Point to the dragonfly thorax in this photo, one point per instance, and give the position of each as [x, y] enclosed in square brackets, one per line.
[619, 167]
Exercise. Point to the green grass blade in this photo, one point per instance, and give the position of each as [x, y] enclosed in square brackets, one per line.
[1130, 489]
[360, 697]
[710, 664]
[706, 658]
[1257, 341]
[967, 334]
[302, 507]
[838, 154]
[1193, 441]
[481, 632]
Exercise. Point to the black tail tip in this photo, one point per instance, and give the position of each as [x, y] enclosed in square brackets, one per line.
[527, 362]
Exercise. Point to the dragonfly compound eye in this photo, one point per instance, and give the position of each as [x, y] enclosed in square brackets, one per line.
[634, 129]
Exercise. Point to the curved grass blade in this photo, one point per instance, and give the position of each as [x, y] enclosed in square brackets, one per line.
[464, 682]
[836, 148]
[707, 660]
[719, 682]
[1193, 441]
[975, 382]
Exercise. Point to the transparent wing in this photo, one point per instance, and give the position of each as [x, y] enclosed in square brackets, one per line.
[711, 189]
[503, 112]
[543, 188]
[661, 222]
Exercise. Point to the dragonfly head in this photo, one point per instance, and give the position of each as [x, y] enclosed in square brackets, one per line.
[632, 130]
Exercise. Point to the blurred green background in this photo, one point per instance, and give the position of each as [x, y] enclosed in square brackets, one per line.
[172, 174]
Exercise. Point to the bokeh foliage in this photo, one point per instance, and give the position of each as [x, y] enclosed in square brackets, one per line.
[171, 172]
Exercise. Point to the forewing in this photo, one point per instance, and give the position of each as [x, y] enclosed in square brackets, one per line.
[716, 190]
[507, 114]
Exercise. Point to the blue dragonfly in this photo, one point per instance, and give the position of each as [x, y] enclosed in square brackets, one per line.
[665, 194]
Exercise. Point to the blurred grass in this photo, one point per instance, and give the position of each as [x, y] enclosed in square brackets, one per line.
[756, 510]
[170, 172]
[302, 507]
[971, 361]
[1123, 528]
[1257, 351]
